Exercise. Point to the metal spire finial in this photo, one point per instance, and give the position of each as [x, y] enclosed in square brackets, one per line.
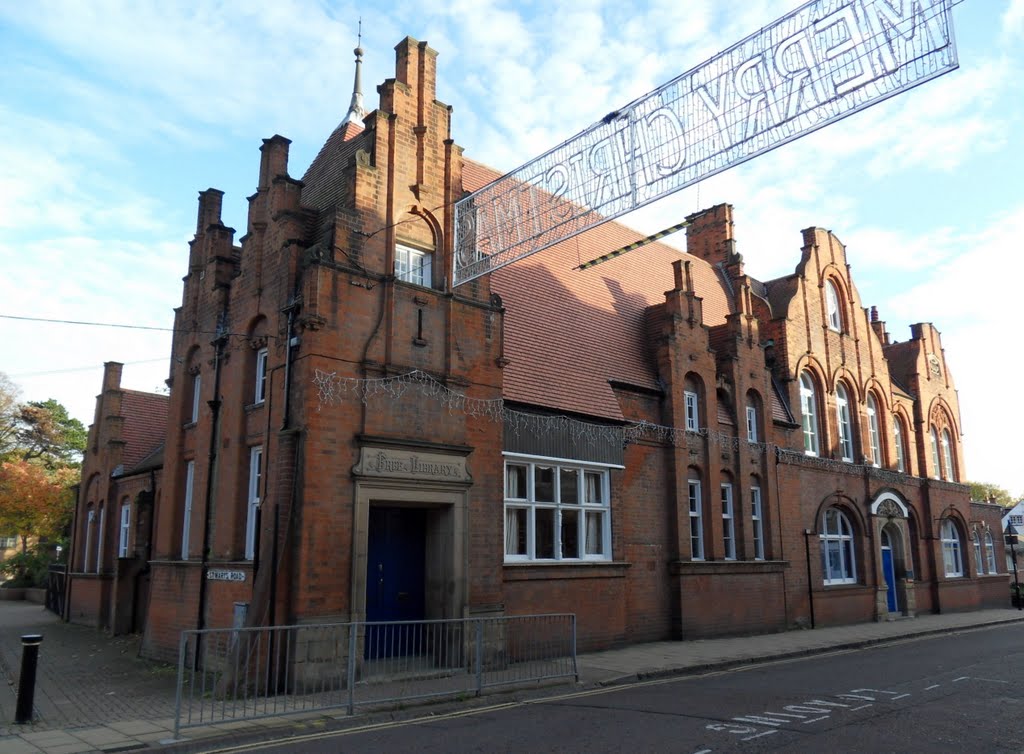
[356, 111]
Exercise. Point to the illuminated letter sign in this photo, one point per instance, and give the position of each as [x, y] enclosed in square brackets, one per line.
[819, 63]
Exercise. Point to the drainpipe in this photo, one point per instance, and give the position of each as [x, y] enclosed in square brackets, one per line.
[285, 422]
[214, 405]
[149, 550]
[810, 584]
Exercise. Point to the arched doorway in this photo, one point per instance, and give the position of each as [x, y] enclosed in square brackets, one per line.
[889, 568]
[895, 586]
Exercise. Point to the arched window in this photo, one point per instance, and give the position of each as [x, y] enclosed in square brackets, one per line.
[936, 466]
[838, 565]
[873, 438]
[696, 518]
[835, 319]
[728, 522]
[843, 420]
[990, 553]
[691, 403]
[757, 517]
[948, 472]
[897, 433]
[100, 527]
[124, 532]
[952, 559]
[90, 523]
[809, 418]
[978, 563]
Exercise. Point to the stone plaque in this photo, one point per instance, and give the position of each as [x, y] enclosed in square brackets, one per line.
[411, 464]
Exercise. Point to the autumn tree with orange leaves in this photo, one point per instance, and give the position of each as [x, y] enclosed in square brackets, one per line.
[34, 502]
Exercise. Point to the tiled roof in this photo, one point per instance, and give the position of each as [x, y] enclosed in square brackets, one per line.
[569, 332]
[323, 183]
[154, 460]
[145, 421]
[780, 407]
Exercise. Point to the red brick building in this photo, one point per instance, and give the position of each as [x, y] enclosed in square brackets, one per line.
[661, 444]
[113, 523]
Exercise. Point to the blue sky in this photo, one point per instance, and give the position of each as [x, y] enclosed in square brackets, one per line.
[114, 114]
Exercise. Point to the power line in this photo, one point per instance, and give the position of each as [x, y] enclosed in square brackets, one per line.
[82, 369]
[187, 330]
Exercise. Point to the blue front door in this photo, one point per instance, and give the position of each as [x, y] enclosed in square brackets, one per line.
[890, 572]
[395, 576]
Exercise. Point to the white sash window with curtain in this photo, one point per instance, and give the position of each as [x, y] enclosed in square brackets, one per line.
[556, 510]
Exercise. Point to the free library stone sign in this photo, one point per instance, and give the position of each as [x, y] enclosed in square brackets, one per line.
[815, 65]
[411, 464]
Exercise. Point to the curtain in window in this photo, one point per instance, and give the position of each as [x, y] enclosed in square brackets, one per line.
[511, 531]
[512, 483]
[593, 543]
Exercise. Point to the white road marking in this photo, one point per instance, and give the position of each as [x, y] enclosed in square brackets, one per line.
[863, 706]
[934, 686]
[758, 735]
[961, 678]
[899, 697]
[816, 720]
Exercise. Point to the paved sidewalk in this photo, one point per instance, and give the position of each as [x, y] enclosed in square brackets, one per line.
[93, 693]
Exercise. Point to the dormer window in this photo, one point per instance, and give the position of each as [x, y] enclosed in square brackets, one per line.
[835, 319]
[413, 265]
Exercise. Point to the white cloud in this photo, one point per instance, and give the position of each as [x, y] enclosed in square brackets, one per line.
[1013, 20]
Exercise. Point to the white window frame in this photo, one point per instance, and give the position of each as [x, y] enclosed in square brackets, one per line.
[897, 432]
[413, 265]
[253, 503]
[808, 413]
[6, 543]
[696, 519]
[197, 384]
[186, 524]
[260, 394]
[692, 411]
[843, 422]
[99, 538]
[591, 508]
[947, 456]
[125, 530]
[89, 522]
[757, 522]
[835, 317]
[728, 523]
[840, 540]
[952, 551]
[751, 424]
[979, 564]
[874, 446]
[990, 553]
[937, 470]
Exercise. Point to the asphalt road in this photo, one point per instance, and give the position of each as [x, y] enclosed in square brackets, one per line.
[954, 693]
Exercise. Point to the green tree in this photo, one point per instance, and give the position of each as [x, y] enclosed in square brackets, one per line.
[9, 412]
[47, 433]
[982, 491]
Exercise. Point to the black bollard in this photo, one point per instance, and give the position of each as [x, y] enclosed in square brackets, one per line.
[27, 682]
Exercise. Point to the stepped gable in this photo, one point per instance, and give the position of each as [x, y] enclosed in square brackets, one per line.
[145, 423]
[569, 332]
[902, 358]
